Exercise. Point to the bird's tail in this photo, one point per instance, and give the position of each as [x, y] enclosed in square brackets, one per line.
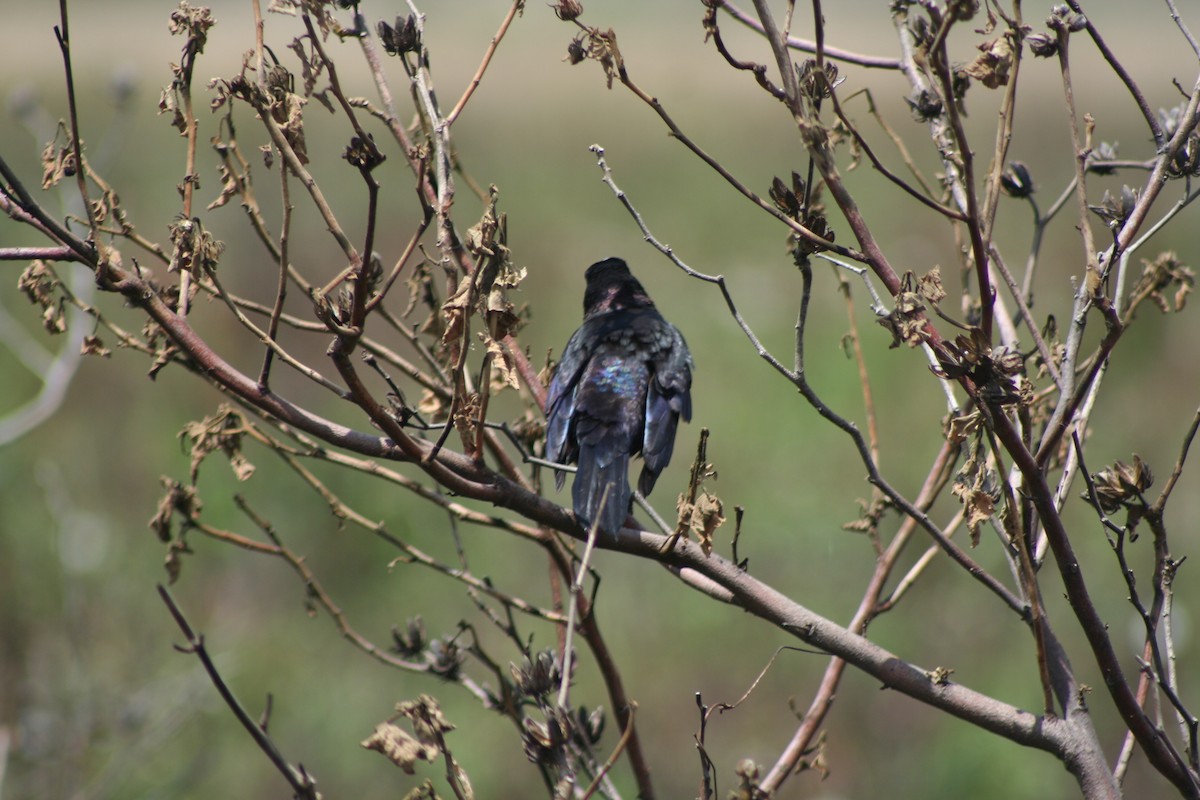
[602, 482]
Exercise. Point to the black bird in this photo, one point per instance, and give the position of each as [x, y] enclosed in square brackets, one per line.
[622, 384]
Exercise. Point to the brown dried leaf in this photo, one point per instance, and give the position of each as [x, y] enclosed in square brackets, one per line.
[466, 416]
[701, 518]
[481, 237]
[429, 723]
[230, 187]
[974, 485]
[173, 563]
[423, 792]
[178, 499]
[603, 48]
[168, 103]
[401, 747]
[456, 312]
[310, 67]
[992, 66]
[906, 320]
[195, 249]
[94, 346]
[221, 431]
[979, 507]
[288, 111]
[37, 282]
[504, 368]
[962, 426]
[432, 406]
[502, 318]
[1159, 276]
[930, 286]
[53, 318]
[58, 162]
[163, 356]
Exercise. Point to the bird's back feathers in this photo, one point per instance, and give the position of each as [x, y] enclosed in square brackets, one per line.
[622, 384]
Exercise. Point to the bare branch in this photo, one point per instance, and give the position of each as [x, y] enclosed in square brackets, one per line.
[300, 781]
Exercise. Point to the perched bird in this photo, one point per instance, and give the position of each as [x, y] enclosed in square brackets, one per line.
[622, 384]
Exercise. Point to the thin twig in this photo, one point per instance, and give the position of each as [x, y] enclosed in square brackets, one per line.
[63, 35]
[576, 590]
[274, 346]
[803, 45]
[302, 784]
[285, 226]
[1183, 28]
[622, 743]
[1115, 64]
[483, 65]
[1161, 503]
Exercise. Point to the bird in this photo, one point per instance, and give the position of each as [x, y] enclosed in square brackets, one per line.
[621, 386]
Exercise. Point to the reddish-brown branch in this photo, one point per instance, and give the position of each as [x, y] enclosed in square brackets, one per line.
[33, 253]
[483, 65]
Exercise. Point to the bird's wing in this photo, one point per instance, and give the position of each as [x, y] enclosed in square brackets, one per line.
[560, 399]
[669, 397]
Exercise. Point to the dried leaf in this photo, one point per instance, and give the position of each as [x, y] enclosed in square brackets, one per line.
[426, 714]
[195, 250]
[401, 747]
[179, 499]
[502, 318]
[58, 160]
[930, 286]
[94, 346]
[164, 355]
[455, 312]
[432, 406]
[173, 562]
[603, 48]
[466, 416]
[992, 66]
[906, 320]
[222, 431]
[961, 426]
[404, 748]
[423, 792]
[310, 67]
[979, 507]
[1159, 276]
[702, 518]
[37, 282]
[975, 486]
[504, 368]
[230, 187]
[482, 235]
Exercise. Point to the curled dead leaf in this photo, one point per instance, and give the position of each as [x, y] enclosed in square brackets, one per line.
[401, 747]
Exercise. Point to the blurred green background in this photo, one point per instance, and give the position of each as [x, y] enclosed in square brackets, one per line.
[95, 703]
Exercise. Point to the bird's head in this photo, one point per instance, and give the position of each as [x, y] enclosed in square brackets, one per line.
[611, 286]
